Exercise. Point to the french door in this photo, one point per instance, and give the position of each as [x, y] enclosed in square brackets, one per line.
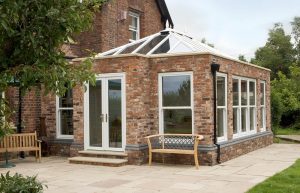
[104, 111]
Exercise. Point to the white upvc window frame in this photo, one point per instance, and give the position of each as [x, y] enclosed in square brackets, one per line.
[134, 28]
[223, 138]
[262, 108]
[248, 106]
[161, 108]
[58, 120]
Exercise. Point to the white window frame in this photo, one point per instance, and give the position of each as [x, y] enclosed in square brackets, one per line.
[58, 120]
[161, 108]
[263, 107]
[132, 28]
[248, 106]
[224, 138]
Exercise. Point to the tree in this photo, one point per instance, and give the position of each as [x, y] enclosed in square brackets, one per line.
[203, 40]
[278, 53]
[31, 35]
[242, 58]
[296, 35]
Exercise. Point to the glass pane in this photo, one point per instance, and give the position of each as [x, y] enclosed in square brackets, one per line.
[244, 119]
[252, 118]
[95, 106]
[131, 48]
[252, 92]
[164, 48]
[150, 45]
[235, 120]
[134, 22]
[235, 90]
[220, 122]
[262, 93]
[262, 117]
[115, 113]
[244, 94]
[221, 98]
[176, 90]
[66, 122]
[133, 35]
[67, 100]
[178, 121]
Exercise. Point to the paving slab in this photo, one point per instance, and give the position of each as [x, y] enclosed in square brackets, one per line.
[234, 176]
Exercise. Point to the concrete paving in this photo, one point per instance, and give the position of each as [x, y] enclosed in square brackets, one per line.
[234, 176]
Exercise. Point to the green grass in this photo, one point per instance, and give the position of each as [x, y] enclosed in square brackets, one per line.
[287, 131]
[287, 181]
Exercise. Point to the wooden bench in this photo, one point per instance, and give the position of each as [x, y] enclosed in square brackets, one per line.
[174, 144]
[21, 142]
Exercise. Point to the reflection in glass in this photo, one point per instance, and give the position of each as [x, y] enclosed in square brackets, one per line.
[244, 94]
[67, 100]
[262, 117]
[178, 121]
[131, 48]
[115, 113]
[150, 45]
[252, 92]
[235, 120]
[221, 91]
[176, 90]
[252, 118]
[66, 122]
[95, 106]
[235, 90]
[244, 119]
[220, 122]
[262, 93]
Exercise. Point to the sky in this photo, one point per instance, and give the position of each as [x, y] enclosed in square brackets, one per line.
[233, 26]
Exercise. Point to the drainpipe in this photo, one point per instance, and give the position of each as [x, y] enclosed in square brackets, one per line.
[214, 69]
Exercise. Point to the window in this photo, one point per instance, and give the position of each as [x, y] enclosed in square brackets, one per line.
[263, 105]
[176, 103]
[244, 106]
[222, 107]
[64, 121]
[134, 26]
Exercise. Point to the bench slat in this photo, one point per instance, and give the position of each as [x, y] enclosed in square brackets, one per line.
[174, 151]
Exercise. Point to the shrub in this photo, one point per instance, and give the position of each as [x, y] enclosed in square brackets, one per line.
[17, 183]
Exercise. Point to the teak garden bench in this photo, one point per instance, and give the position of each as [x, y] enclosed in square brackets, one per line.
[21, 142]
[174, 144]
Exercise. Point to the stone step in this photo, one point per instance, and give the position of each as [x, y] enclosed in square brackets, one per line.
[103, 154]
[98, 161]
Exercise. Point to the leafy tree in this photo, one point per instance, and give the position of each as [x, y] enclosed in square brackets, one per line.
[278, 52]
[296, 35]
[242, 58]
[31, 35]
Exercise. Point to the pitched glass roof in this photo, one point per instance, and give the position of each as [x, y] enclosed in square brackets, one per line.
[165, 42]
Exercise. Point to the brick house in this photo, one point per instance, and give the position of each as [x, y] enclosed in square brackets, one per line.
[154, 80]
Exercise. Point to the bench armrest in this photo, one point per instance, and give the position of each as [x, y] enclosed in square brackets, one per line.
[39, 141]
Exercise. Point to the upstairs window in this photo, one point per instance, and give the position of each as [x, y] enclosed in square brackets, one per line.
[221, 107]
[134, 26]
[263, 105]
[64, 120]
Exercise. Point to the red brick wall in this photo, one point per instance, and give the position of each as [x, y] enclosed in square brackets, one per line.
[142, 99]
[109, 31]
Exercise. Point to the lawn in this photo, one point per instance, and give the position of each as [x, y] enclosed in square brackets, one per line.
[287, 181]
[287, 131]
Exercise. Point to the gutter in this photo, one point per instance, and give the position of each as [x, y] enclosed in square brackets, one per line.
[214, 69]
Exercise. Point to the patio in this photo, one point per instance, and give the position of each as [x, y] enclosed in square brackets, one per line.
[236, 175]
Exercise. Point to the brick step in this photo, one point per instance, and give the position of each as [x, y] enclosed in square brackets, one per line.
[103, 154]
[98, 161]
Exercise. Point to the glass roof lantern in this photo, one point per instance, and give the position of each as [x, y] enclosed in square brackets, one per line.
[167, 41]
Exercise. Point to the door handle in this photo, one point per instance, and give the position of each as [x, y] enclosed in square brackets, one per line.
[102, 117]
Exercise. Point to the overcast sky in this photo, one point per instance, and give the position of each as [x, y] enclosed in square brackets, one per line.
[233, 26]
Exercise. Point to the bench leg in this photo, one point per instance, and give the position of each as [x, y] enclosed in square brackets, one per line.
[196, 160]
[150, 158]
[40, 155]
